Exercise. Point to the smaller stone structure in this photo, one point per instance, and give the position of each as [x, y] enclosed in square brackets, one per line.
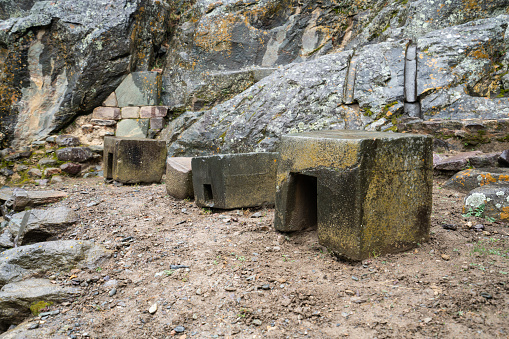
[179, 177]
[368, 193]
[229, 181]
[134, 160]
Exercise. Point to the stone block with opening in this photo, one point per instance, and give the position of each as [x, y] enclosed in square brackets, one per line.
[132, 161]
[367, 193]
[229, 181]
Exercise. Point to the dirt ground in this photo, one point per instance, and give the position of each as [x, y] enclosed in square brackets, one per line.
[245, 280]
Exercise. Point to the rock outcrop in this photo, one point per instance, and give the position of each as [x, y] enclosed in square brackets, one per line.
[19, 263]
[366, 89]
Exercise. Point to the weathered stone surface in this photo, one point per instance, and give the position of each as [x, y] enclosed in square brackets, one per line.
[62, 59]
[42, 224]
[503, 160]
[367, 192]
[139, 89]
[484, 160]
[100, 122]
[22, 198]
[35, 172]
[311, 95]
[111, 100]
[52, 171]
[469, 179]
[132, 128]
[230, 181]
[490, 201]
[153, 111]
[130, 112]
[129, 160]
[66, 140]
[106, 113]
[20, 262]
[16, 298]
[76, 154]
[71, 168]
[6, 240]
[156, 123]
[456, 162]
[179, 177]
[47, 162]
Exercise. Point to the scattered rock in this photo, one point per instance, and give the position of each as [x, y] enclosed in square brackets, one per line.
[16, 298]
[451, 227]
[47, 162]
[469, 179]
[454, 163]
[71, 168]
[20, 199]
[42, 224]
[52, 171]
[257, 322]
[446, 257]
[75, 154]
[478, 227]
[503, 159]
[153, 309]
[35, 172]
[66, 140]
[18, 263]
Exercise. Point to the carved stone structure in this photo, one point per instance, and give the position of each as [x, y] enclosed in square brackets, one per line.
[230, 181]
[368, 193]
[134, 160]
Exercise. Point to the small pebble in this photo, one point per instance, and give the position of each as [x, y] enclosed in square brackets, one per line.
[179, 329]
[113, 292]
[153, 309]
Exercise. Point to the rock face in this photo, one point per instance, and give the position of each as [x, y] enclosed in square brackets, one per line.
[65, 58]
[16, 298]
[18, 263]
[351, 90]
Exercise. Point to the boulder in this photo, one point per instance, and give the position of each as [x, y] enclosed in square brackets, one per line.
[455, 162]
[469, 179]
[66, 140]
[42, 224]
[489, 201]
[18, 263]
[20, 198]
[47, 162]
[52, 171]
[75, 154]
[16, 298]
[71, 168]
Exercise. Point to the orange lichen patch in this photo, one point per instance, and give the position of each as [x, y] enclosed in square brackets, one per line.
[504, 215]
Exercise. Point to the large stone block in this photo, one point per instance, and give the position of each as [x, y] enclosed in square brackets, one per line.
[106, 113]
[130, 112]
[153, 111]
[368, 193]
[230, 181]
[179, 177]
[139, 89]
[132, 161]
[132, 128]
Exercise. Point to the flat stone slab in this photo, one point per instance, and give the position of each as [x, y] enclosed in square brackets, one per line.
[130, 161]
[16, 298]
[42, 224]
[490, 201]
[455, 162]
[469, 179]
[22, 198]
[132, 128]
[179, 177]
[368, 193]
[139, 89]
[153, 111]
[229, 181]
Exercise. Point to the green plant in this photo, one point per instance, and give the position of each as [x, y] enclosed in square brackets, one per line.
[168, 272]
[477, 212]
[39, 306]
[98, 269]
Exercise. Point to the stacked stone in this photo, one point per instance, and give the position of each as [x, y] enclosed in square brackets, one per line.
[133, 107]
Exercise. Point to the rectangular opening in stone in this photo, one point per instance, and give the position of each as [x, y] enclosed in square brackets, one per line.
[207, 192]
[304, 212]
[109, 175]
